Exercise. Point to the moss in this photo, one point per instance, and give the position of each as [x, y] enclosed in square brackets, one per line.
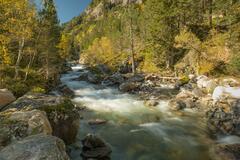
[38, 90]
[64, 107]
[184, 80]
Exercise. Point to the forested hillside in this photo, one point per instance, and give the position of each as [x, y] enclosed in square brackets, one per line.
[29, 38]
[181, 36]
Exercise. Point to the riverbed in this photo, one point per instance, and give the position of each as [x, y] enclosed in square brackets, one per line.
[133, 130]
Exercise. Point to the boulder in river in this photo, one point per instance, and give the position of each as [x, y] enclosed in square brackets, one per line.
[129, 86]
[83, 77]
[221, 92]
[64, 119]
[203, 82]
[65, 91]
[95, 148]
[177, 105]
[115, 79]
[6, 97]
[93, 78]
[224, 118]
[37, 147]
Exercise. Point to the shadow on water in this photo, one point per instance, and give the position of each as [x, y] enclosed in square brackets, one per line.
[134, 131]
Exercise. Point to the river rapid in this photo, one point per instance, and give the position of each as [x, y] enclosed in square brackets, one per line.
[135, 131]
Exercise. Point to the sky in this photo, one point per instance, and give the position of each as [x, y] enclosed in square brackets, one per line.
[67, 9]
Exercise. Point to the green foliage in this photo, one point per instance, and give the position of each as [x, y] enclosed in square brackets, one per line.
[65, 107]
[38, 90]
[28, 45]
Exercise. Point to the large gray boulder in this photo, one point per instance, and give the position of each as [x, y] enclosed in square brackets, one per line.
[36, 101]
[6, 97]
[61, 113]
[37, 147]
[16, 125]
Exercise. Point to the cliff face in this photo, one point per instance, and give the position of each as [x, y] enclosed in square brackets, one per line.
[96, 9]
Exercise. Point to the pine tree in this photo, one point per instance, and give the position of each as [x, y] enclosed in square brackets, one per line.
[50, 36]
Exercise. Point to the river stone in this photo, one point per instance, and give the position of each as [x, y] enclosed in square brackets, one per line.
[20, 124]
[5, 136]
[65, 91]
[62, 114]
[104, 69]
[95, 148]
[83, 77]
[37, 121]
[115, 79]
[93, 78]
[151, 103]
[97, 121]
[225, 118]
[36, 101]
[128, 86]
[177, 105]
[6, 97]
[37, 147]
[64, 119]
[228, 151]
[65, 68]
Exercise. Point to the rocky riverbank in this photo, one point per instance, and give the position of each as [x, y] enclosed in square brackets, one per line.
[37, 126]
[217, 100]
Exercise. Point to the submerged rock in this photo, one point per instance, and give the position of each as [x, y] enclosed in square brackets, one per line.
[37, 147]
[6, 97]
[97, 122]
[95, 148]
[151, 103]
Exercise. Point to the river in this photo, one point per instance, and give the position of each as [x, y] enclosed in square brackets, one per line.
[135, 131]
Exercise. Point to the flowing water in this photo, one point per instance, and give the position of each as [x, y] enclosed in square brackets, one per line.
[134, 131]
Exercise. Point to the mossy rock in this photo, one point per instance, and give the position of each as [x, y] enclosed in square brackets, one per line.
[64, 107]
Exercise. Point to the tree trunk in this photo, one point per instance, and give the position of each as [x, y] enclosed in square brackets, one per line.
[33, 57]
[20, 51]
[47, 66]
[132, 47]
[210, 13]
[29, 65]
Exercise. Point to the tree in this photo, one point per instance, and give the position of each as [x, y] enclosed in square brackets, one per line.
[161, 29]
[50, 35]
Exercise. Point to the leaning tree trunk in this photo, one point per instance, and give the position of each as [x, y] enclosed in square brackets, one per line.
[20, 51]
